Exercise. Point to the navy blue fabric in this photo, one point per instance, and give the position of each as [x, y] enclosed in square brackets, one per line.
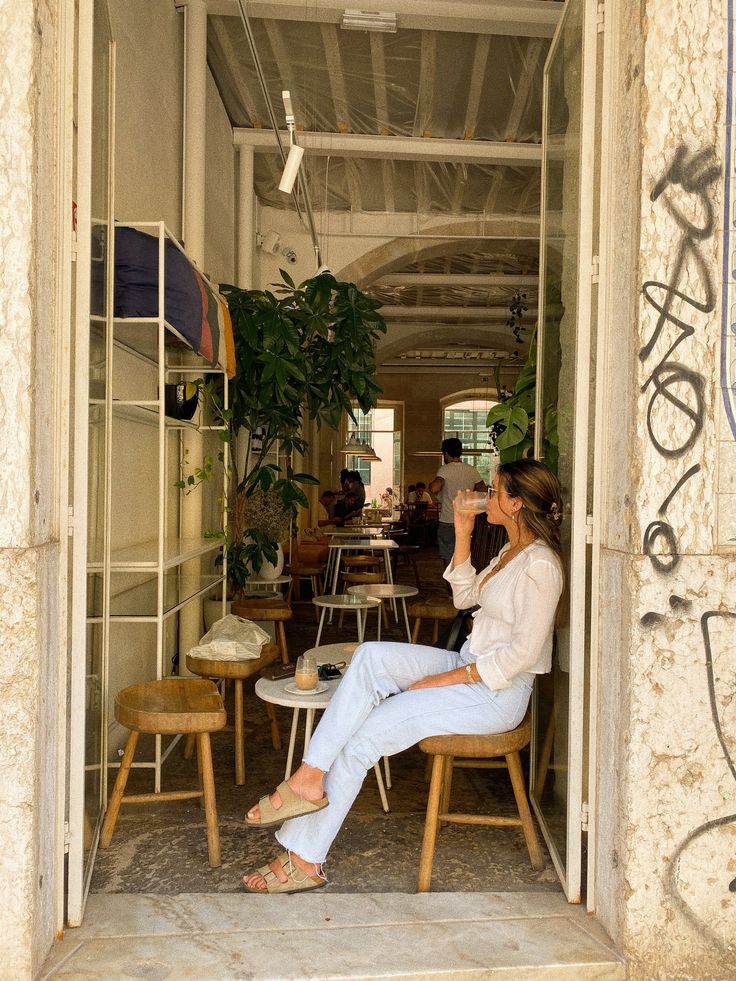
[136, 283]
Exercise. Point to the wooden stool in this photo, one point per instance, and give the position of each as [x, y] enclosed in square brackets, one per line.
[314, 573]
[238, 671]
[475, 751]
[435, 611]
[361, 563]
[170, 707]
[262, 609]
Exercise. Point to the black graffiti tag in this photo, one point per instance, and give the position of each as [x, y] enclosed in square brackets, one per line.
[675, 385]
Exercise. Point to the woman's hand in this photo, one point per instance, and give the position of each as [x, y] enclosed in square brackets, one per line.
[458, 676]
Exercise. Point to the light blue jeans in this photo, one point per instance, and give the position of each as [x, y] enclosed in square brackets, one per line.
[362, 723]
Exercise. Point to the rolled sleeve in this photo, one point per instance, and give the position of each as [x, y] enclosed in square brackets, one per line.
[535, 602]
[464, 583]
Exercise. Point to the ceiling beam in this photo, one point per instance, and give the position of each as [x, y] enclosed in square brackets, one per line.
[391, 312]
[397, 147]
[520, 18]
[454, 279]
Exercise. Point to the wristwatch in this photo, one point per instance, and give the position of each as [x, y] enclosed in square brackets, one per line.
[469, 673]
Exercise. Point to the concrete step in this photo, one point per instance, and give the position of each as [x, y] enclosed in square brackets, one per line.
[329, 935]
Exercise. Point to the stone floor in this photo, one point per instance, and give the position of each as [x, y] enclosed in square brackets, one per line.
[162, 849]
[156, 910]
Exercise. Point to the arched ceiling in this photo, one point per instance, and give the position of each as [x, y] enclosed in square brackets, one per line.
[438, 116]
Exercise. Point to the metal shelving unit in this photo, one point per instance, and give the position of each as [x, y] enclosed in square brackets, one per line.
[148, 582]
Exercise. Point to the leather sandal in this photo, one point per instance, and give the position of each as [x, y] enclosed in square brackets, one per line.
[295, 879]
[292, 805]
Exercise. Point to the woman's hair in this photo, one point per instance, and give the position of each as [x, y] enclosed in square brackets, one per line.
[541, 509]
[541, 499]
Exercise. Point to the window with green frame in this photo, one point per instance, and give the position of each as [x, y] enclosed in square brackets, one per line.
[466, 420]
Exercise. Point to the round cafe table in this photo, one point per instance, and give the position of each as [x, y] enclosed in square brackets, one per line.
[344, 601]
[387, 591]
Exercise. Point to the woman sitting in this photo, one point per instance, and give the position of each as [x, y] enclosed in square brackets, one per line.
[394, 695]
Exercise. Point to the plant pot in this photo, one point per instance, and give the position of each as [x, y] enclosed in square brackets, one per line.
[176, 403]
[270, 571]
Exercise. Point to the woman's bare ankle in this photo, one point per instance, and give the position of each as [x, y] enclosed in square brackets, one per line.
[308, 782]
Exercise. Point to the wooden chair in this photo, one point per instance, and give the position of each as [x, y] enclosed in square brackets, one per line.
[300, 568]
[169, 707]
[409, 554]
[437, 611]
[238, 671]
[275, 609]
[475, 751]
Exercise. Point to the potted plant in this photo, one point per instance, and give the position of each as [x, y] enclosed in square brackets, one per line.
[303, 353]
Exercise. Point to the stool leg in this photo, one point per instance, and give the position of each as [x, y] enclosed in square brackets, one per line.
[435, 630]
[513, 761]
[204, 754]
[387, 771]
[446, 786]
[426, 859]
[415, 631]
[281, 635]
[113, 808]
[189, 746]
[239, 734]
[275, 731]
[416, 571]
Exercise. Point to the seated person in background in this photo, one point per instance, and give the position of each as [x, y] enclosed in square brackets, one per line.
[357, 487]
[347, 508]
[421, 494]
[327, 502]
[410, 491]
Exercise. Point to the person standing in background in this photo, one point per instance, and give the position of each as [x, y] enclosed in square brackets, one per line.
[357, 487]
[452, 476]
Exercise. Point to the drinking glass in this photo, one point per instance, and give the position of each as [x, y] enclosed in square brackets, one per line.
[469, 500]
[305, 675]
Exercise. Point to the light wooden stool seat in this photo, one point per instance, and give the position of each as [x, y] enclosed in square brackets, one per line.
[436, 611]
[238, 671]
[475, 751]
[259, 610]
[169, 707]
[355, 563]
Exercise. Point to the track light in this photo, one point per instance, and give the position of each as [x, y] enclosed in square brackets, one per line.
[286, 184]
[291, 168]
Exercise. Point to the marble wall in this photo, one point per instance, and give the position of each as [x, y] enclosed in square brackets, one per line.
[667, 853]
[29, 547]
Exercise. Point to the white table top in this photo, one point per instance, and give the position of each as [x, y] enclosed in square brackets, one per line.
[332, 653]
[383, 590]
[346, 601]
[367, 543]
[275, 692]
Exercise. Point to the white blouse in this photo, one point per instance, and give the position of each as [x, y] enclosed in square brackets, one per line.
[512, 630]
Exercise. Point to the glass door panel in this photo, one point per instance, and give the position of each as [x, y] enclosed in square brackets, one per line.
[562, 413]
